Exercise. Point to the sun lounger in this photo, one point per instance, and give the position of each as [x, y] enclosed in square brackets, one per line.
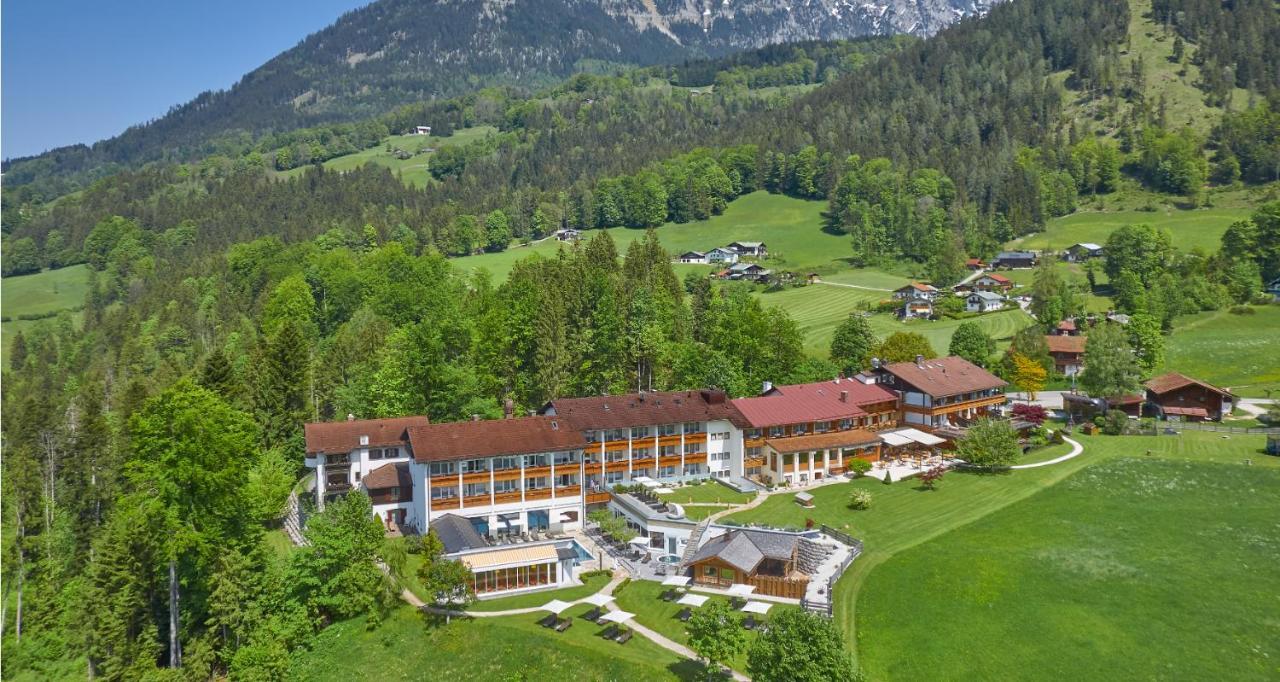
[549, 621]
[610, 632]
[685, 614]
[594, 614]
[750, 623]
[564, 625]
[669, 595]
[624, 637]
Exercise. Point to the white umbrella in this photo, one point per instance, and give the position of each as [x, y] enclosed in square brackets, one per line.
[741, 589]
[694, 600]
[618, 616]
[677, 581]
[757, 607]
[598, 599]
[555, 606]
[641, 541]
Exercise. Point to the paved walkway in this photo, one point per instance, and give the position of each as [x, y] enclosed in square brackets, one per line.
[1076, 448]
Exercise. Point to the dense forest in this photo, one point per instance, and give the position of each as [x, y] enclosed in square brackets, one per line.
[150, 443]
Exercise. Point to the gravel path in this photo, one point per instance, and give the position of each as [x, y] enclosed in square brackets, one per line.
[1076, 448]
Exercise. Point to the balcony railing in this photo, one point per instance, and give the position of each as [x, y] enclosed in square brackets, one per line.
[568, 490]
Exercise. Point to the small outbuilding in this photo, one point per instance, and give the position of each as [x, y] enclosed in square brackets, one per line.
[804, 499]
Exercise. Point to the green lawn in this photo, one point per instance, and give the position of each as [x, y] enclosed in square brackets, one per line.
[411, 646]
[707, 492]
[1237, 351]
[700, 513]
[279, 543]
[643, 598]
[791, 228]
[1201, 227]
[903, 515]
[412, 170]
[1134, 568]
[44, 292]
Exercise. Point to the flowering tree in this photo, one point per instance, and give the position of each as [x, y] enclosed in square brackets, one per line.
[931, 477]
[1036, 414]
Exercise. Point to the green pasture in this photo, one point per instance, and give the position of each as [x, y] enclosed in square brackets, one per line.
[1191, 228]
[44, 292]
[412, 170]
[1240, 352]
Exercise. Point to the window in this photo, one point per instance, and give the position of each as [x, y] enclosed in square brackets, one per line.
[613, 477]
[615, 456]
[695, 427]
[752, 433]
[443, 468]
[669, 450]
[375, 453]
[566, 479]
[395, 493]
[694, 448]
[535, 460]
[753, 452]
[640, 432]
[565, 458]
[641, 453]
[537, 483]
[669, 430]
[822, 427]
[506, 486]
[709, 571]
[799, 429]
[446, 492]
[473, 489]
[592, 436]
[775, 431]
[472, 466]
[503, 463]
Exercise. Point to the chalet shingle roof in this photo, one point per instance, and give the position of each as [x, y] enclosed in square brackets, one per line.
[491, 438]
[389, 476]
[917, 286]
[645, 409]
[1059, 343]
[1174, 381]
[817, 401]
[944, 377]
[745, 549]
[344, 436]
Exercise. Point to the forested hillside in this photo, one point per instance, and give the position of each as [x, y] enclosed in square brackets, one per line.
[394, 52]
[149, 445]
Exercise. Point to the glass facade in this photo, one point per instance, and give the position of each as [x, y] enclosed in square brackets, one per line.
[515, 578]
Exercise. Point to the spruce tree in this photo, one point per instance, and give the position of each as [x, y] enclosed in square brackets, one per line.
[281, 386]
[853, 344]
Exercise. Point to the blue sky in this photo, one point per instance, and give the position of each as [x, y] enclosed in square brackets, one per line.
[80, 71]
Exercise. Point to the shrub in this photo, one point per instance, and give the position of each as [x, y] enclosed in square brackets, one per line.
[1234, 310]
[888, 478]
[859, 467]
[931, 477]
[1115, 423]
[808, 523]
[859, 500]
[1036, 414]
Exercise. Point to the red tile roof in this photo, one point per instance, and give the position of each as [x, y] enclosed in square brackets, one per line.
[821, 441]
[344, 436]
[818, 401]
[917, 287]
[645, 409]
[1058, 343]
[1067, 325]
[493, 437]
[1174, 381]
[973, 261]
[999, 278]
[943, 377]
[389, 476]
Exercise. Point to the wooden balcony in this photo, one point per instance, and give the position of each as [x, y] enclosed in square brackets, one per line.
[668, 440]
[476, 501]
[669, 461]
[507, 475]
[447, 503]
[616, 466]
[753, 462]
[615, 445]
[506, 498]
[597, 498]
[955, 407]
[537, 494]
[569, 491]
[475, 477]
[534, 472]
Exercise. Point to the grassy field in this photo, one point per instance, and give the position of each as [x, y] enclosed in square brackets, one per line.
[412, 170]
[820, 308]
[411, 646]
[903, 515]
[1237, 351]
[590, 585]
[1132, 569]
[707, 492]
[44, 292]
[643, 598]
[792, 229]
[1200, 227]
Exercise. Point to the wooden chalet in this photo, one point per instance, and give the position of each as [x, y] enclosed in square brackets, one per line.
[766, 559]
[1177, 397]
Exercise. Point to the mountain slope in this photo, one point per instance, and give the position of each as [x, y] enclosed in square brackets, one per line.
[397, 51]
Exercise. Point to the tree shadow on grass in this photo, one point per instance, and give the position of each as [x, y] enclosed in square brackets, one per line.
[687, 669]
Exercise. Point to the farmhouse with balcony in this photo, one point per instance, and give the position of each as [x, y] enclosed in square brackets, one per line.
[983, 302]
[916, 290]
[768, 560]
[1067, 353]
[1177, 397]
[942, 393]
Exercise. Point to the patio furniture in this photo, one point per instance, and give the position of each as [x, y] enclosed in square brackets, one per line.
[685, 614]
[624, 637]
[669, 595]
[750, 623]
[594, 614]
[564, 625]
[549, 620]
[610, 632]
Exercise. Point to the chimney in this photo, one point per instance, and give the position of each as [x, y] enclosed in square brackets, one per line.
[508, 408]
[875, 363]
[766, 387]
[919, 361]
[351, 417]
[844, 396]
[475, 417]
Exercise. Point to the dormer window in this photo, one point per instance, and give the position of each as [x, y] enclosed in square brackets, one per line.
[364, 440]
